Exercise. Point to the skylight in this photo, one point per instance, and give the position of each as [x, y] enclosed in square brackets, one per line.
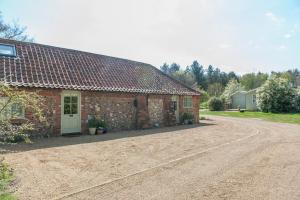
[7, 50]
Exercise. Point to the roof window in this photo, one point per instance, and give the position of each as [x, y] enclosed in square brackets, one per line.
[7, 50]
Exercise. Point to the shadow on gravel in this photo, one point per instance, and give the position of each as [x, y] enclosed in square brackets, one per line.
[65, 141]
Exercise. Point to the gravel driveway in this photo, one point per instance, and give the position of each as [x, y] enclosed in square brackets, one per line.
[223, 158]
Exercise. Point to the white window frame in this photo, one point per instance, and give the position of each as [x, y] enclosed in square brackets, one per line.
[188, 102]
[13, 47]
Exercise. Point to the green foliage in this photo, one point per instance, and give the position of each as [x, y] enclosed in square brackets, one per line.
[184, 77]
[297, 100]
[187, 116]
[93, 122]
[204, 105]
[215, 89]
[232, 87]
[277, 95]
[197, 70]
[204, 96]
[215, 104]
[16, 132]
[6, 176]
[102, 124]
[252, 80]
[210, 79]
[293, 76]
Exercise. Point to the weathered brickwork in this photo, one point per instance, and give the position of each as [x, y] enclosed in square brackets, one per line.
[121, 111]
[194, 110]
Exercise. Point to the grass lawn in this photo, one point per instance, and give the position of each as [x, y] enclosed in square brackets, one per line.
[6, 176]
[285, 118]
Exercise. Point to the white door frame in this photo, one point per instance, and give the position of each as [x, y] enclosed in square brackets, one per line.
[70, 93]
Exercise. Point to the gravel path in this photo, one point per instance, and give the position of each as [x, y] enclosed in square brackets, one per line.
[224, 158]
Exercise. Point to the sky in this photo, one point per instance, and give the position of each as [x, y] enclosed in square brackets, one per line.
[235, 35]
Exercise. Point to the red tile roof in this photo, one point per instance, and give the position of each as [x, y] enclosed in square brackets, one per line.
[45, 66]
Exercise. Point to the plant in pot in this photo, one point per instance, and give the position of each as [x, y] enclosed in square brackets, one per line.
[92, 123]
[101, 127]
[187, 118]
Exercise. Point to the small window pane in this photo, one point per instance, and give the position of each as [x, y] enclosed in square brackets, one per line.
[67, 99]
[7, 50]
[188, 102]
[74, 99]
[74, 108]
[17, 110]
[67, 109]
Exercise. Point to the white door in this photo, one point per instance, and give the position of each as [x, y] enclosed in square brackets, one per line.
[175, 100]
[70, 112]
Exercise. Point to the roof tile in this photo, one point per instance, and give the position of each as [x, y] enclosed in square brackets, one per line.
[38, 65]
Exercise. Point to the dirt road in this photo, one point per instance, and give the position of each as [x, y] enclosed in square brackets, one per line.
[224, 158]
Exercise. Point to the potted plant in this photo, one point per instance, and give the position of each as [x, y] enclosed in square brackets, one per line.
[101, 127]
[92, 123]
[187, 118]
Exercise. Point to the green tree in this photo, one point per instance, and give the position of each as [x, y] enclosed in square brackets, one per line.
[215, 104]
[232, 75]
[174, 67]
[198, 72]
[277, 95]
[215, 89]
[293, 76]
[210, 71]
[165, 68]
[13, 31]
[185, 77]
[232, 87]
[19, 100]
[252, 80]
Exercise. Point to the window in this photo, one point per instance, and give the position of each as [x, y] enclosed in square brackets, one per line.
[254, 99]
[17, 110]
[70, 105]
[7, 50]
[187, 102]
[14, 110]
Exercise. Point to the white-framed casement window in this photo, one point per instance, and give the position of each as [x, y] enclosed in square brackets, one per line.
[187, 102]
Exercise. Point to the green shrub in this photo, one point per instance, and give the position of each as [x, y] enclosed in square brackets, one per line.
[215, 104]
[101, 123]
[297, 101]
[277, 95]
[204, 105]
[187, 117]
[92, 122]
[10, 131]
[6, 176]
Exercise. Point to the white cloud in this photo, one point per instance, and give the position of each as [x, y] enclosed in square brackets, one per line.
[282, 47]
[273, 17]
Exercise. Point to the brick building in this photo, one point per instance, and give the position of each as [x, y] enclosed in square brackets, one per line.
[76, 85]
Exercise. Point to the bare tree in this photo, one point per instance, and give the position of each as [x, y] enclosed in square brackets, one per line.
[13, 31]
